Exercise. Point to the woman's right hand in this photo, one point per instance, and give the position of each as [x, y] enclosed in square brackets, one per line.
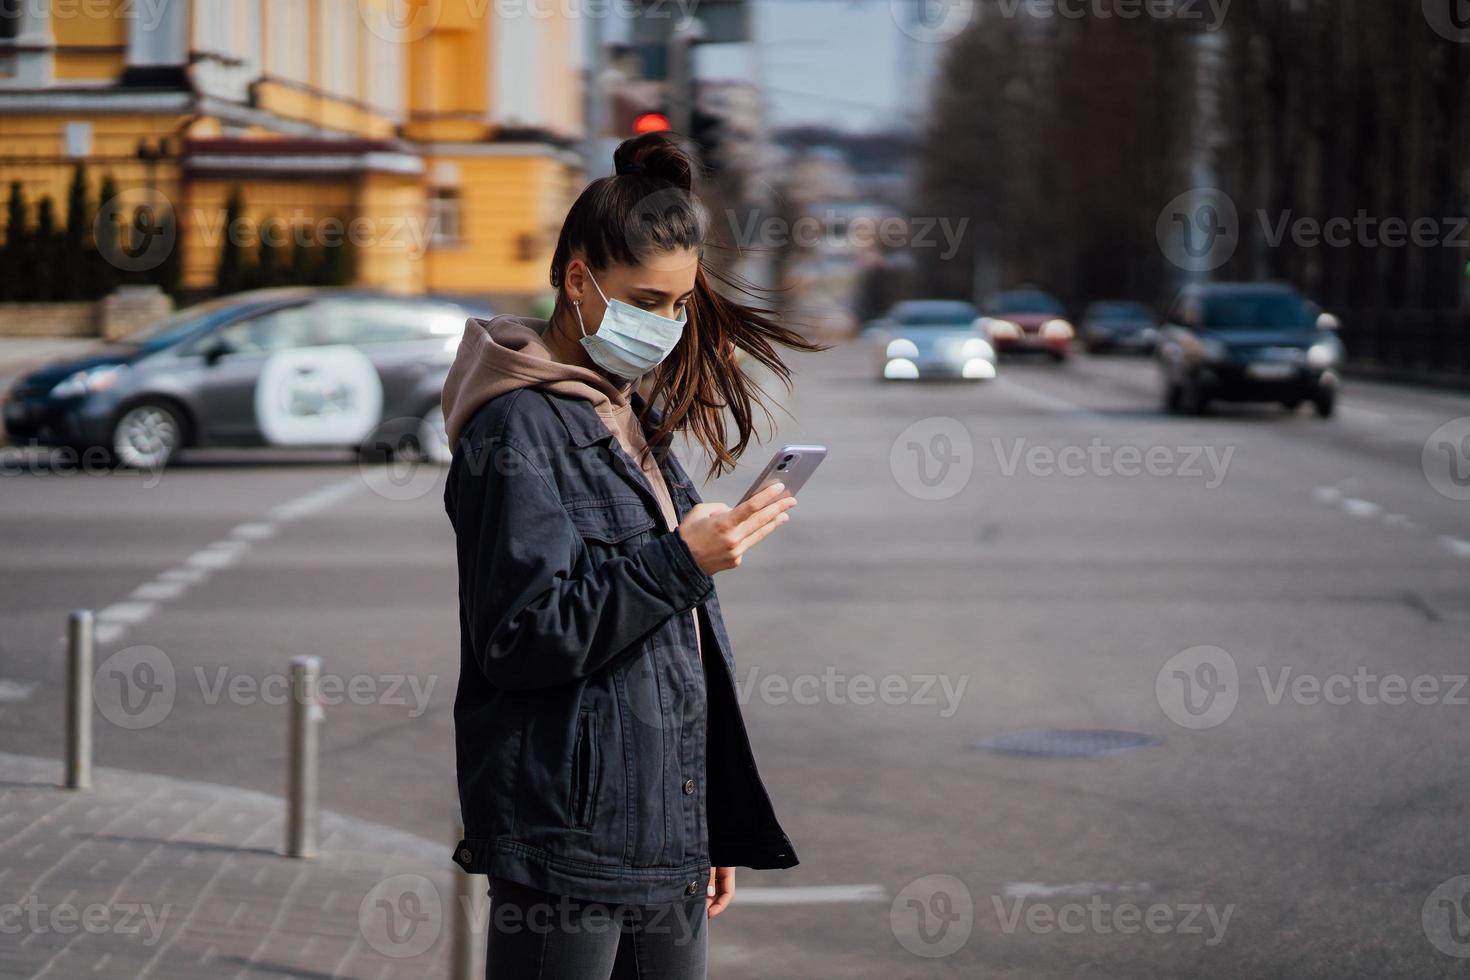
[718, 535]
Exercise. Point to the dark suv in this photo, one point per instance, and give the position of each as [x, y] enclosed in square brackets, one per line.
[1248, 342]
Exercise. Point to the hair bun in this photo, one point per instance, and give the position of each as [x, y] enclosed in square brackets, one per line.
[659, 155]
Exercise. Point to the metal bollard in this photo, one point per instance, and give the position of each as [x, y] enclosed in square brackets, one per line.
[80, 633]
[304, 739]
[466, 945]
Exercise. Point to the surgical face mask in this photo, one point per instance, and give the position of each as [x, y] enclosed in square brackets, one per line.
[630, 341]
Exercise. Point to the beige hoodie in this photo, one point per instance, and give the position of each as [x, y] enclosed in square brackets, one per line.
[506, 353]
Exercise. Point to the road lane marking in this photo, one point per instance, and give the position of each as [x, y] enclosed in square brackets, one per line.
[14, 692]
[114, 621]
[127, 613]
[1457, 547]
[810, 894]
[1361, 508]
[159, 591]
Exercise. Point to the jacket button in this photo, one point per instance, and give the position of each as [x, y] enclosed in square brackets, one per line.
[693, 887]
[464, 855]
[688, 787]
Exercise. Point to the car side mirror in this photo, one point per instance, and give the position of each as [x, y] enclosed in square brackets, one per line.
[215, 350]
[1326, 321]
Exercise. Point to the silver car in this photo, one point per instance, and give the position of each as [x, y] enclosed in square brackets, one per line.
[276, 367]
[932, 338]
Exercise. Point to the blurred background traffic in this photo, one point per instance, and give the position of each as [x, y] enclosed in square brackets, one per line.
[1163, 592]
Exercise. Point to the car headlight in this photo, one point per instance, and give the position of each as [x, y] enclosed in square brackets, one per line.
[976, 347]
[902, 348]
[1057, 330]
[1212, 350]
[1002, 328]
[1322, 354]
[88, 382]
[901, 369]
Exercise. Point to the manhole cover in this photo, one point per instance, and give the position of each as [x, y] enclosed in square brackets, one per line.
[1065, 743]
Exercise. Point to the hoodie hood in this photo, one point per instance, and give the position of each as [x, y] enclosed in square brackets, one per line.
[505, 353]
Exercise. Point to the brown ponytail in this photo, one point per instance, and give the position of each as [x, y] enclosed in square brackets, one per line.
[649, 206]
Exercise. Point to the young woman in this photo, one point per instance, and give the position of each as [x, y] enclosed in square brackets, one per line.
[605, 774]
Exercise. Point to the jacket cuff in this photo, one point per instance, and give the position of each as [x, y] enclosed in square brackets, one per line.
[685, 583]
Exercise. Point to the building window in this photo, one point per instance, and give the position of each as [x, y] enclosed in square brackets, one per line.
[10, 14]
[445, 217]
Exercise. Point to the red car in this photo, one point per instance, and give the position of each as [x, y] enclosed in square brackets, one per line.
[1028, 320]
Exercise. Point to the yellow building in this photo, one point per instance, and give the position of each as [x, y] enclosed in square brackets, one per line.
[435, 135]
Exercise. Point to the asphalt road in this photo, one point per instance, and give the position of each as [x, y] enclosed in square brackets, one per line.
[1043, 552]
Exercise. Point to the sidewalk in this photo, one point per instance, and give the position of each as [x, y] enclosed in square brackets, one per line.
[147, 876]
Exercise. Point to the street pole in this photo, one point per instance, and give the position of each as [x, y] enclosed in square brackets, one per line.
[80, 639]
[303, 743]
[679, 86]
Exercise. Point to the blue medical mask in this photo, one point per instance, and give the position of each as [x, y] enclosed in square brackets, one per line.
[630, 341]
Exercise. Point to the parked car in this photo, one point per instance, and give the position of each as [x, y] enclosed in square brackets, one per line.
[1028, 319]
[1248, 342]
[282, 367]
[932, 338]
[1121, 325]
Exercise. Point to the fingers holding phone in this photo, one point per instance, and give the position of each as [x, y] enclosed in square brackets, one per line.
[718, 536]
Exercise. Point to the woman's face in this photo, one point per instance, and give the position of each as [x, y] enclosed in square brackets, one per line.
[662, 284]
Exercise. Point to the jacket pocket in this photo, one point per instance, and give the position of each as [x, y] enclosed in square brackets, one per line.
[584, 771]
[610, 522]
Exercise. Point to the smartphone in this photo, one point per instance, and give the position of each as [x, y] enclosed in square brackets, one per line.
[792, 465]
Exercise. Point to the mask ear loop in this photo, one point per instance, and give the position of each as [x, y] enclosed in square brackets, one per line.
[577, 304]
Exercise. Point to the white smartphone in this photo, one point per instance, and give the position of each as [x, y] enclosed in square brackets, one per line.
[792, 465]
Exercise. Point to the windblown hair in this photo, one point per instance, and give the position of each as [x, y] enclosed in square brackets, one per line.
[649, 206]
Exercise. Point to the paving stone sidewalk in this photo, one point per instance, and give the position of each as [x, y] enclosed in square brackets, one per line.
[147, 876]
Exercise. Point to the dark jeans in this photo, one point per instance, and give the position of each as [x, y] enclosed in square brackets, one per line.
[536, 935]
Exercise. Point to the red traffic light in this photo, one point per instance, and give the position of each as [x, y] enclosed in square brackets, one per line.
[651, 122]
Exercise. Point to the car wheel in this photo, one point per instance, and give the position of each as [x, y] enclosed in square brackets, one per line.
[147, 436]
[1325, 404]
[1192, 401]
[433, 441]
[1172, 396]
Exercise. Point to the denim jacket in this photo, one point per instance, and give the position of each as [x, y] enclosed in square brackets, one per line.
[597, 756]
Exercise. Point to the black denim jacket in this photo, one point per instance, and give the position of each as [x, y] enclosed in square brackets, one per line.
[593, 758]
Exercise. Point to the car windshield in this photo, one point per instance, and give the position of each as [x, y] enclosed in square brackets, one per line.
[1025, 302]
[1258, 311]
[1119, 311]
[184, 323]
[950, 315]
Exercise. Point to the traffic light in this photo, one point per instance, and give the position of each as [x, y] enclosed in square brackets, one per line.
[650, 122]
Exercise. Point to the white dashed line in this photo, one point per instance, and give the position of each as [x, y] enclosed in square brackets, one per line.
[14, 692]
[114, 621]
[1361, 508]
[159, 591]
[1456, 546]
[127, 613]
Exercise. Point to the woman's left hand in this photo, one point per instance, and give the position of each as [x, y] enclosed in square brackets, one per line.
[721, 890]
